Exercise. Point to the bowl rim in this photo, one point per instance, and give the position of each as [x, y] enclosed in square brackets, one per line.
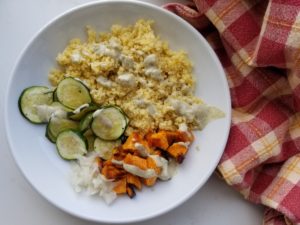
[103, 2]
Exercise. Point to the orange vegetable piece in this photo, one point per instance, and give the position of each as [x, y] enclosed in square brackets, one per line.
[152, 165]
[179, 136]
[110, 171]
[134, 180]
[121, 186]
[136, 161]
[131, 140]
[158, 140]
[130, 144]
[130, 191]
[119, 153]
[149, 181]
[157, 152]
[177, 151]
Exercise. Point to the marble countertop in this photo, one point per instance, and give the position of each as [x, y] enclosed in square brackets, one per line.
[215, 203]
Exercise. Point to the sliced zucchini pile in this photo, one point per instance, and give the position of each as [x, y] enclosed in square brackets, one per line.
[74, 122]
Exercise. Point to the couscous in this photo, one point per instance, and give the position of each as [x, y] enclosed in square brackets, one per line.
[133, 68]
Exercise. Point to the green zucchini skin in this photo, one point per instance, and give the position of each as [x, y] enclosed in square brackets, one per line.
[58, 125]
[22, 103]
[71, 144]
[72, 93]
[109, 123]
[78, 116]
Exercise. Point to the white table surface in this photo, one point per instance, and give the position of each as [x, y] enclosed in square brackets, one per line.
[215, 203]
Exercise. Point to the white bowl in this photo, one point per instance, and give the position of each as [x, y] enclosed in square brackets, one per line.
[37, 157]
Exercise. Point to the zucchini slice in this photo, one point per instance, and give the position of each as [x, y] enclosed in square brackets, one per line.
[105, 148]
[81, 111]
[49, 135]
[86, 122]
[90, 137]
[109, 123]
[32, 97]
[56, 125]
[119, 108]
[72, 93]
[70, 145]
[55, 96]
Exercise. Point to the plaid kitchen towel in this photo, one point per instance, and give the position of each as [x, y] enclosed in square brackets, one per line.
[258, 43]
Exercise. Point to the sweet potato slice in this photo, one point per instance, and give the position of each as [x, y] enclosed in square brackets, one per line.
[149, 181]
[120, 153]
[131, 140]
[134, 180]
[179, 136]
[110, 171]
[177, 151]
[137, 145]
[158, 140]
[152, 165]
[121, 186]
[130, 191]
[136, 161]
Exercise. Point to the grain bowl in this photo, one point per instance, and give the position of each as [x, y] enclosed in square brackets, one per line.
[37, 158]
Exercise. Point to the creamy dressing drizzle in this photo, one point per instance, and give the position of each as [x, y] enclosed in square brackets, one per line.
[148, 173]
[105, 121]
[45, 112]
[77, 110]
[167, 171]
[141, 149]
[104, 81]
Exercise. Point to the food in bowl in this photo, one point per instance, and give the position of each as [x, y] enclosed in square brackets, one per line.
[122, 106]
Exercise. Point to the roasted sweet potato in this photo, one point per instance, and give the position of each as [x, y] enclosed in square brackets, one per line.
[149, 181]
[130, 191]
[152, 165]
[121, 186]
[158, 140]
[157, 152]
[136, 161]
[137, 145]
[134, 180]
[131, 140]
[179, 136]
[120, 153]
[111, 171]
[136, 150]
[177, 151]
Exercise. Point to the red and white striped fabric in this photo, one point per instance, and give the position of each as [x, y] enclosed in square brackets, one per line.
[258, 43]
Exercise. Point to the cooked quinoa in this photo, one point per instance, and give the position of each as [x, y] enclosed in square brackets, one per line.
[133, 68]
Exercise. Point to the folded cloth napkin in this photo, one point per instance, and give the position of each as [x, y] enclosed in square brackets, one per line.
[258, 43]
